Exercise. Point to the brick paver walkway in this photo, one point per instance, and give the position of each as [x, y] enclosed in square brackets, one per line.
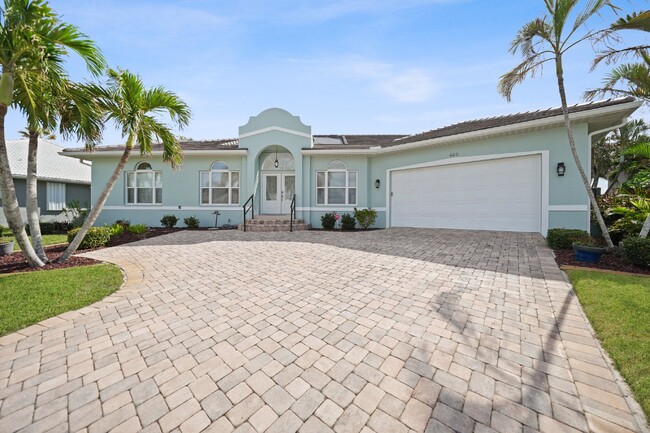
[400, 330]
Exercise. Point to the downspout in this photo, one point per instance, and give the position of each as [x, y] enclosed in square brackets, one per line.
[590, 139]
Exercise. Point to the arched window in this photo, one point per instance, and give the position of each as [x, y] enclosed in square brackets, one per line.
[285, 161]
[219, 165]
[143, 166]
[144, 185]
[219, 185]
[336, 185]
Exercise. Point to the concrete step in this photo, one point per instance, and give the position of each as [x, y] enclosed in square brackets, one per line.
[273, 223]
[297, 226]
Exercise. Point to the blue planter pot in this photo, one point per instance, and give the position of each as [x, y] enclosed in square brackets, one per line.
[588, 254]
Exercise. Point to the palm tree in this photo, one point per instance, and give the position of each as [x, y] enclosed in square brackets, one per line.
[47, 100]
[547, 39]
[642, 150]
[608, 154]
[134, 109]
[32, 39]
[634, 76]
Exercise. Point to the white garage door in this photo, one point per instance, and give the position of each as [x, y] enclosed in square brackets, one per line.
[498, 194]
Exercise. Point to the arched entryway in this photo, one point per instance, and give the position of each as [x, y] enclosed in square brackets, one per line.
[278, 180]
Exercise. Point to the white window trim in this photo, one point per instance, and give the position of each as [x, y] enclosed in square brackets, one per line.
[60, 204]
[135, 188]
[210, 187]
[347, 186]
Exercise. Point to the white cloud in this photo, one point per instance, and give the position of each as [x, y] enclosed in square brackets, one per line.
[404, 85]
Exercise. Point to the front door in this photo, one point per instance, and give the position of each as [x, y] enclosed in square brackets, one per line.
[277, 192]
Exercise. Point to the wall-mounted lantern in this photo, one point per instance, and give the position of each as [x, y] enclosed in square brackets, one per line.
[377, 183]
[561, 169]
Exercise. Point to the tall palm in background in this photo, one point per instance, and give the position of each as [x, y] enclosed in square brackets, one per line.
[547, 39]
[608, 154]
[32, 39]
[136, 111]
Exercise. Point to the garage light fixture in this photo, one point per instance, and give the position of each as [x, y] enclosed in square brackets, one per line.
[561, 169]
[377, 183]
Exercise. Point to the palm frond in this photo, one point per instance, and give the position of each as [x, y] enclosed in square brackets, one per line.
[635, 21]
[158, 100]
[531, 37]
[638, 149]
[636, 76]
[530, 67]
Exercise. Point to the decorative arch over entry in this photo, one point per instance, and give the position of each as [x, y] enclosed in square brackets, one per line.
[285, 160]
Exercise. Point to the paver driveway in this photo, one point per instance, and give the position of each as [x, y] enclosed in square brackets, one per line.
[387, 331]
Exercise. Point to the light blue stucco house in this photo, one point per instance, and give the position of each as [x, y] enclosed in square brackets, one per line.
[512, 173]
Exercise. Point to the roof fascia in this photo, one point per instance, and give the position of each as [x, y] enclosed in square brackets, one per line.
[111, 153]
[275, 128]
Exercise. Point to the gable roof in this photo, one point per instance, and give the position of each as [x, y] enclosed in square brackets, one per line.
[51, 165]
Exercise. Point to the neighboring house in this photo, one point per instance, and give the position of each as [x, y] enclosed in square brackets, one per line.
[60, 179]
[513, 173]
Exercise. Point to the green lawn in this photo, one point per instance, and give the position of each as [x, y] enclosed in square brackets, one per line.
[47, 240]
[618, 308]
[30, 297]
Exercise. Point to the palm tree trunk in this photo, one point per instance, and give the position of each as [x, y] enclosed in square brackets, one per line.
[572, 144]
[99, 205]
[646, 228]
[10, 205]
[33, 217]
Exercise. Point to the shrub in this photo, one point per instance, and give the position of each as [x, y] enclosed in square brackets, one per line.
[637, 251]
[48, 228]
[328, 221]
[76, 213]
[124, 223]
[365, 217]
[138, 229]
[347, 222]
[117, 230]
[191, 222]
[561, 239]
[95, 237]
[168, 221]
[62, 226]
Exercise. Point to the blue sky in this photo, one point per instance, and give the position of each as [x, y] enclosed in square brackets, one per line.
[343, 66]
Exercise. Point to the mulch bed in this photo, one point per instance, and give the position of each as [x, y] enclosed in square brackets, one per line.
[16, 262]
[609, 261]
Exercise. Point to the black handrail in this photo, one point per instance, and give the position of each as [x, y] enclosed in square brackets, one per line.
[293, 212]
[251, 208]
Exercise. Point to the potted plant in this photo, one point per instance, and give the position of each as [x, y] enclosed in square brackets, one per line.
[6, 244]
[588, 250]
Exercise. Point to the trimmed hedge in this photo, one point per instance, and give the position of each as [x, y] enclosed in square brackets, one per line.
[561, 239]
[328, 221]
[637, 251]
[169, 221]
[347, 222]
[95, 237]
[191, 222]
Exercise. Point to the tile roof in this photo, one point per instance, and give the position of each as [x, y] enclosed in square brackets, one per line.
[510, 119]
[221, 144]
[367, 141]
[51, 165]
